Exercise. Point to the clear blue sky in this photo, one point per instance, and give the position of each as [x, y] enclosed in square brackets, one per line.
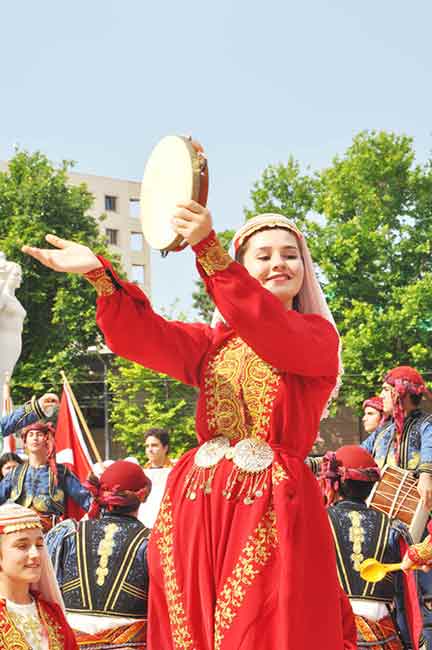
[100, 81]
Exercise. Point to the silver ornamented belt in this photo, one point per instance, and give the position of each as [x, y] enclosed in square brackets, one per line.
[251, 458]
[250, 455]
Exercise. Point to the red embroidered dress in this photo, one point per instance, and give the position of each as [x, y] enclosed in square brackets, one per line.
[241, 556]
[59, 634]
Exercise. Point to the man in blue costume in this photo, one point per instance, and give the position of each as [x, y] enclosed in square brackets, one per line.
[387, 613]
[406, 441]
[101, 563]
[41, 483]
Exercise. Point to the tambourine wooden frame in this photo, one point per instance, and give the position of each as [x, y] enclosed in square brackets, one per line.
[200, 185]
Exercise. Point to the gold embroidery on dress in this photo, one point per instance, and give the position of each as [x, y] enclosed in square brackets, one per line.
[105, 549]
[30, 627]
[240, 389]
[163, 529]
[53, 628]
[10, 636]
[278, 474]
[357, 537]
[214, 258]
[253, 558]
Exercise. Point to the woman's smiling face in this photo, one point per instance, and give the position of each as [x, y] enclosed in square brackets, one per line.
[273, 257]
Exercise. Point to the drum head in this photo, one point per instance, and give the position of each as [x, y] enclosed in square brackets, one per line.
[173, 173]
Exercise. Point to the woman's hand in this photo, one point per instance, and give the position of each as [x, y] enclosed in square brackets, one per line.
[424, 489]
[70, 258]
[192, 221]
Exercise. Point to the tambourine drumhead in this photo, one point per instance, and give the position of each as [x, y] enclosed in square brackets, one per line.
[173, 173]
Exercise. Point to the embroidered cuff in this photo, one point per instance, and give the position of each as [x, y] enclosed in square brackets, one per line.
[36, 407]
[421, 553]
[102, 281]
[211, 255]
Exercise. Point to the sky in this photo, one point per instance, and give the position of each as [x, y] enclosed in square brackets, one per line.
[101, 81]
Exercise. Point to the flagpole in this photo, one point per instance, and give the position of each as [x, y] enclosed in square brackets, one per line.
[82, 419]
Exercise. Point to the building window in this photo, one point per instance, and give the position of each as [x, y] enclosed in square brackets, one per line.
[112, 236]
[136, 241]
[110, 203]
[134, 208]
[137, 274]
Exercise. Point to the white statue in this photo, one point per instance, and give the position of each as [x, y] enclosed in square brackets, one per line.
[12, 315]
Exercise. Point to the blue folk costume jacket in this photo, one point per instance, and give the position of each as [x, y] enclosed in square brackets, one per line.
[101, 565]
[20, 417]
[415, 444]
[34, 487]
[359, 533]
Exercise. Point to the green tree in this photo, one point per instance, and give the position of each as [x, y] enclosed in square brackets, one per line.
[368, 218]
[35, 199]
[201, 301]
[143, 399]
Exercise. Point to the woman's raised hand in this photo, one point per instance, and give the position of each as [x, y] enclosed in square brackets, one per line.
[192, 221]
[69, 258]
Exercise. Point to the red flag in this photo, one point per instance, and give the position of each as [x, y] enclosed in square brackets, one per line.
[9, 442]
[71, 446]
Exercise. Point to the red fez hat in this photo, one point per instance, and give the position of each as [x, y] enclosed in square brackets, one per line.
[350, 462]
[124, 476]
[356, 457]
[122, 485]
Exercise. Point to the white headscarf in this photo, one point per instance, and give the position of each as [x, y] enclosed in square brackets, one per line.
[310, 299]
[13, 518]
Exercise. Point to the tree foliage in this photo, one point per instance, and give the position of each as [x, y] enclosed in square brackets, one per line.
[143, 399]
[36, 199]
[368, 220]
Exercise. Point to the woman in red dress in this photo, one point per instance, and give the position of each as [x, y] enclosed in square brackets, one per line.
[241, 556]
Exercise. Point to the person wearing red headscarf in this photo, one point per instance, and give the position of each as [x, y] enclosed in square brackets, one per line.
[373, 413]
[405, 441]
[347, 477]
[101, 563]
[41, 483]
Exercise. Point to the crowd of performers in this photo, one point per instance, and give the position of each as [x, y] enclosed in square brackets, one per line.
[249, 549]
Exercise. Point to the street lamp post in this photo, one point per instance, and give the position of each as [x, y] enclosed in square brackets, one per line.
[100, 353]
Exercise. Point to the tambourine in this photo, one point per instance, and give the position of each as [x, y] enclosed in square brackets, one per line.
[175, 172]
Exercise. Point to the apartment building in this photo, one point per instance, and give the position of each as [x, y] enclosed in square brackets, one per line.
[118, 201]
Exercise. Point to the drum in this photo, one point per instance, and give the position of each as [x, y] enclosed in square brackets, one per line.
[175, 172]
[396, 495]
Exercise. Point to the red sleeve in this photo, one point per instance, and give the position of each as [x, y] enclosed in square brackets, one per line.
[304, 344]
[134, 331]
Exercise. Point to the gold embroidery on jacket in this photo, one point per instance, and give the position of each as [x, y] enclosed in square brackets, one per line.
[182, 639]
[105, 549]
[240, 389]
[214, 258]
[253, 558]
[357, 537]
